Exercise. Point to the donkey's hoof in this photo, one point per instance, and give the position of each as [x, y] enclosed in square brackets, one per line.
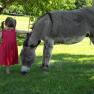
[44, 68]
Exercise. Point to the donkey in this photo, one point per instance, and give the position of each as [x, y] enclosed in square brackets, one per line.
[66, 27]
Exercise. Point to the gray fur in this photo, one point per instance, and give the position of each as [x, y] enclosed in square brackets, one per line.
[67, 27]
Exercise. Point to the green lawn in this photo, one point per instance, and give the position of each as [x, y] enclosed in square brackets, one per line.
[71, 71]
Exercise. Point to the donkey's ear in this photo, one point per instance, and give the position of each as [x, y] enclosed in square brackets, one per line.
[39, 42]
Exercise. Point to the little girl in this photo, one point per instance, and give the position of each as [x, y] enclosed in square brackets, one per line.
[8, 46]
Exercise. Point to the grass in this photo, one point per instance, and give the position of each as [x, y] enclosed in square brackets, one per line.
[71, 71]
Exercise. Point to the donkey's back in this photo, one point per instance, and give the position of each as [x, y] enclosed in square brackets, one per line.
[65, 26]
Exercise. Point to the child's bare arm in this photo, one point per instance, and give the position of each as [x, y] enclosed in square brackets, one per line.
[21, 31]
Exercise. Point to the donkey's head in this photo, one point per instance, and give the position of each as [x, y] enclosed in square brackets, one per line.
[28, 54]
[27, 59]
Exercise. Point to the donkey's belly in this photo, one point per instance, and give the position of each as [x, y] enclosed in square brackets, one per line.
[69, 40]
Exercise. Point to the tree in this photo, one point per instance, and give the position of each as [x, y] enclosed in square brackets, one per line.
[80, 3]
[42, 6]
[39, 7]
[5, 3]
[93, 2]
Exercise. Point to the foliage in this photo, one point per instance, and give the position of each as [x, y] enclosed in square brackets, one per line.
[39, 7]
[83, 3]
[15, 8]
[42, 6]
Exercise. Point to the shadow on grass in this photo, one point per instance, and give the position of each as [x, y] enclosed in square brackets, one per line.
[68, 63]
[68, 74]
[69, 59]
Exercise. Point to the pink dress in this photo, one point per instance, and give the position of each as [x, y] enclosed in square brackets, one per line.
[8, 48]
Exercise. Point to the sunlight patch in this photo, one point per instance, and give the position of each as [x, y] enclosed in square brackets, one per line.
[92, 78]
[85, 58]
[54, 61]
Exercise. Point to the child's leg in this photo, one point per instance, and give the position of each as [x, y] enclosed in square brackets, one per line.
[7, 70]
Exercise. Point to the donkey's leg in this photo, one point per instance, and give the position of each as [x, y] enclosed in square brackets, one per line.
[47, 53]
